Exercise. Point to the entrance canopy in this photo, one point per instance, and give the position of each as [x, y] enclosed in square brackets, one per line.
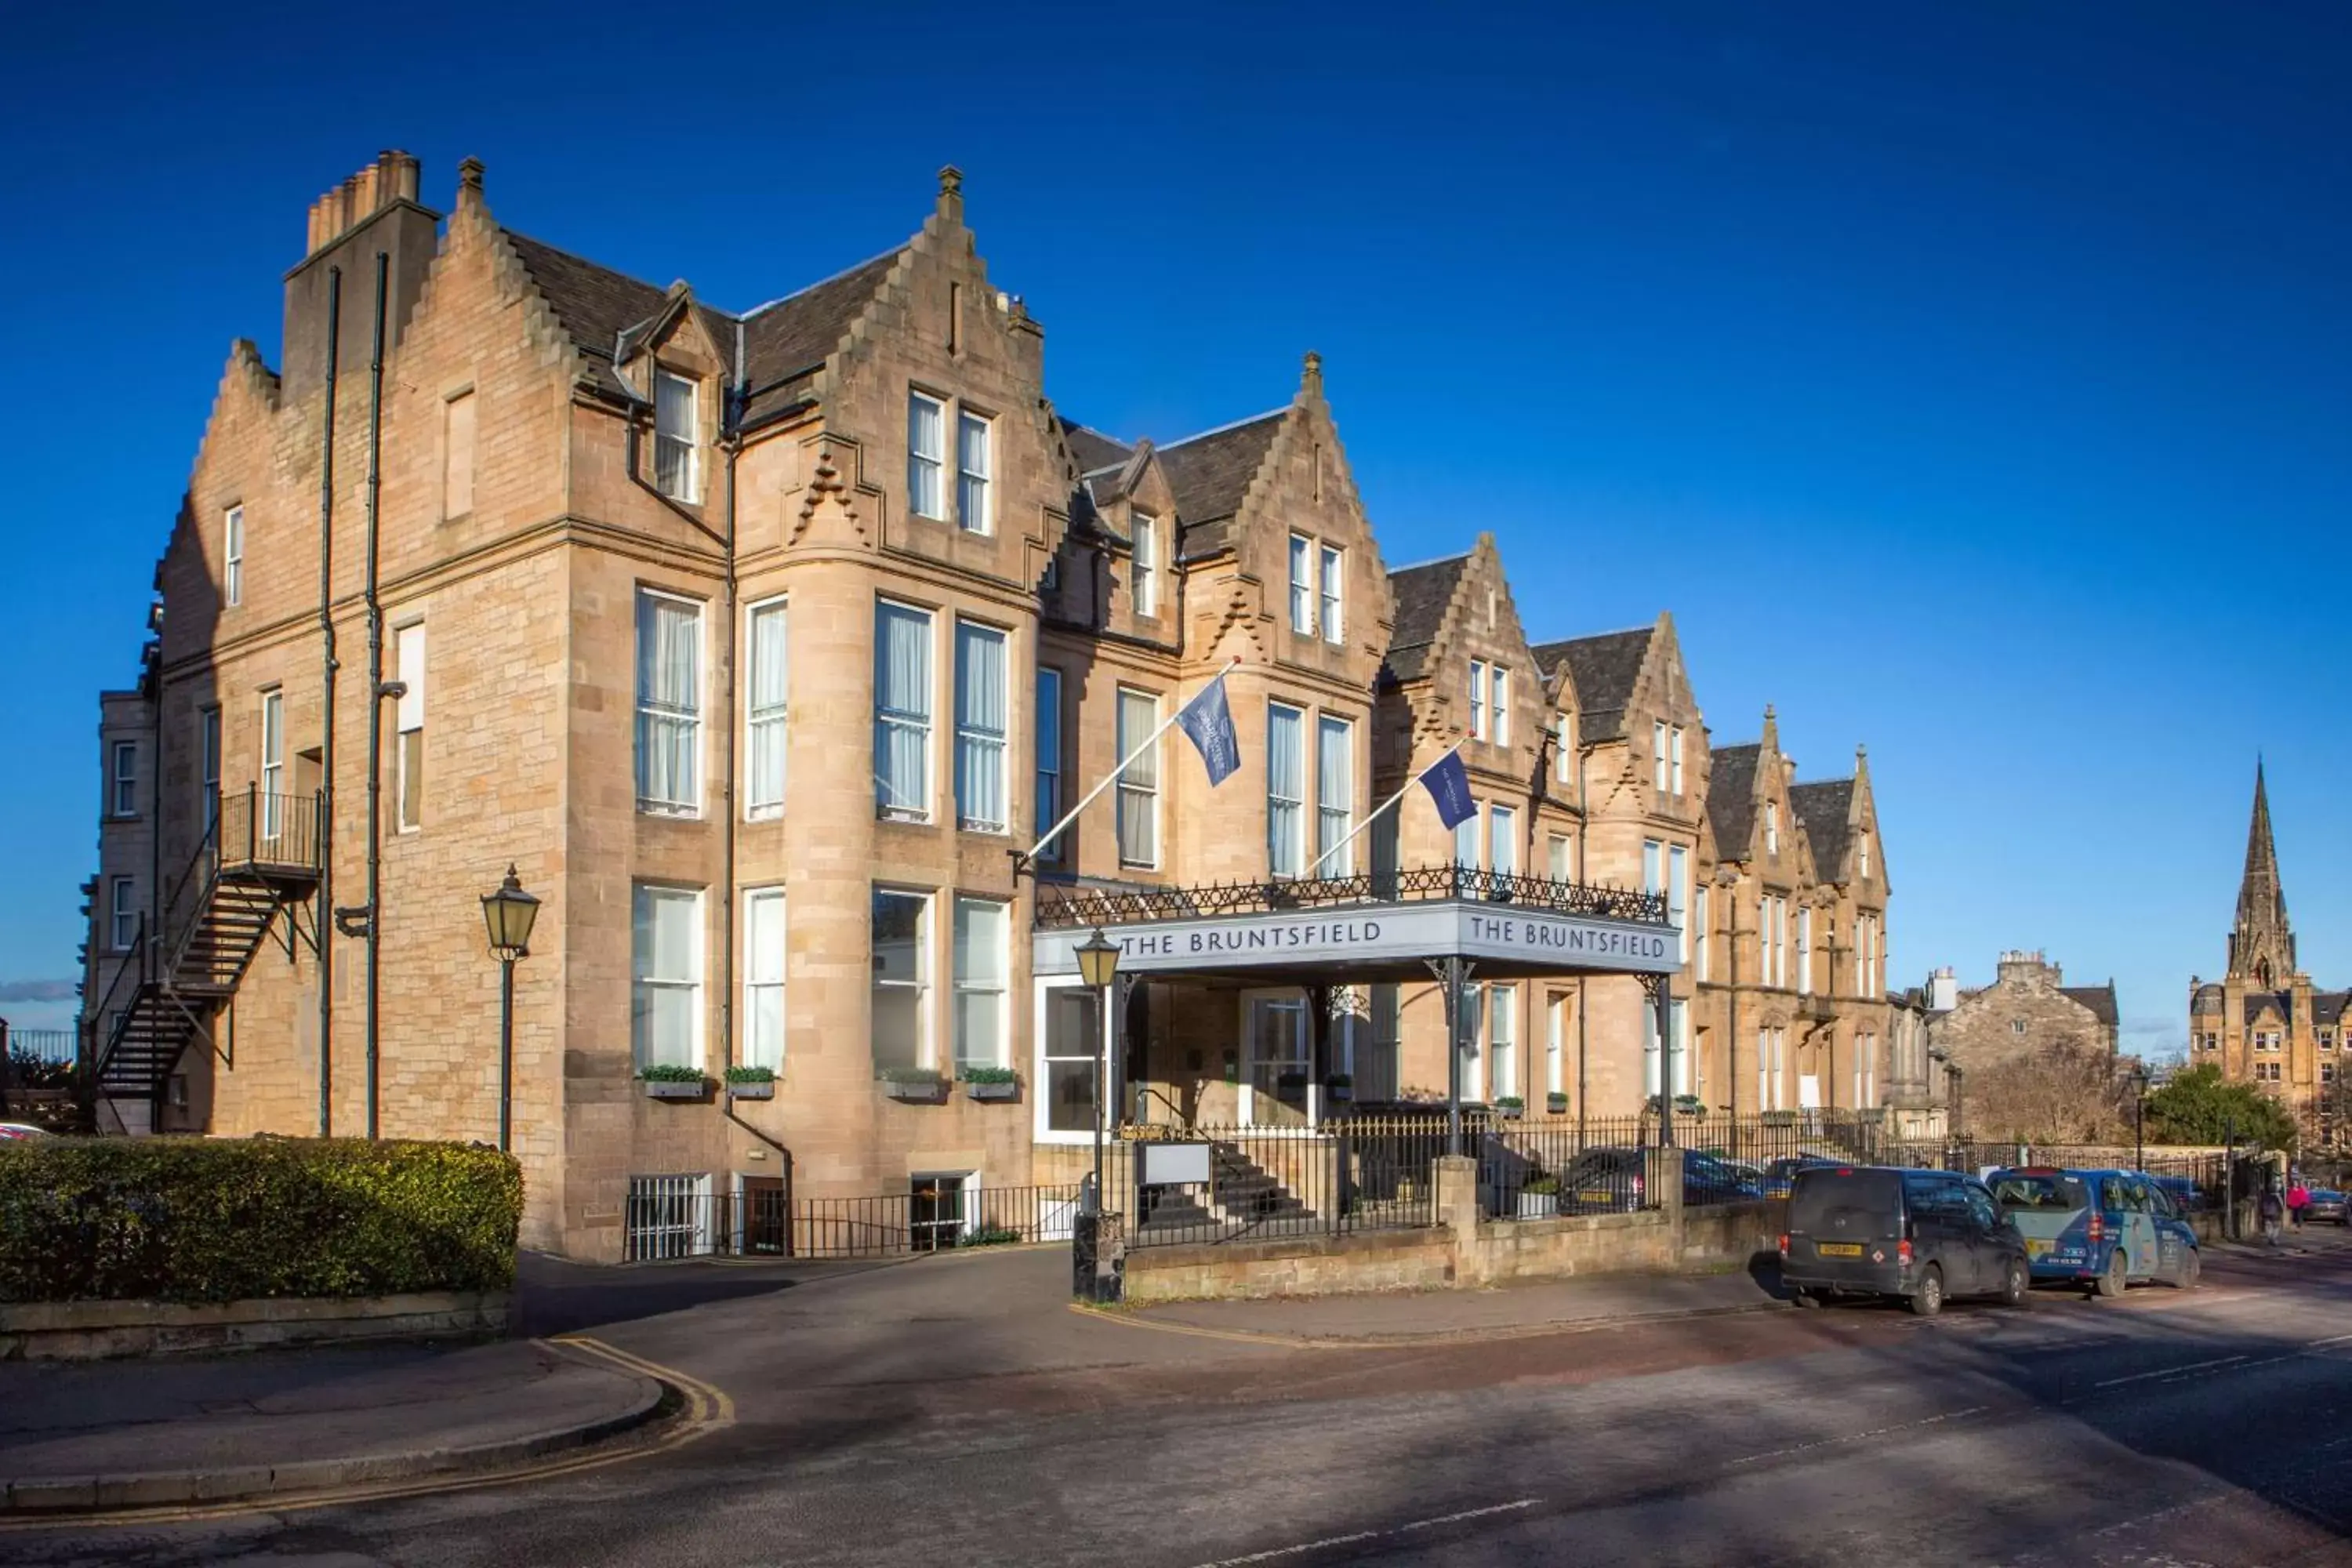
[1361, 930]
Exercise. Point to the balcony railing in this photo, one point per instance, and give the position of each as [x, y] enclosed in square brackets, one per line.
[1065, 905]
[268, 830]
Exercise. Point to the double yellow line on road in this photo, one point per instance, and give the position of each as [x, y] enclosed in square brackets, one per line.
[706, 1409]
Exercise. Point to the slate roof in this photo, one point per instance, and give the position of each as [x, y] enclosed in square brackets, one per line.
[2327, 1007]
[1210, 474]
[1093, 449]
[1823, 807]
[1604, 668]
[2209, 999]
[1420, 593]
[2099, 999]
[2282, 1000]
[1731, 798]
[782, 342]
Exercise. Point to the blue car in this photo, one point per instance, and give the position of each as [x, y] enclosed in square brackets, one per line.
[2105, 1229]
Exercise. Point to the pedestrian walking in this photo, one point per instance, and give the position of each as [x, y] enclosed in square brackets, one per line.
[2298, 1198]
[2268, 1208]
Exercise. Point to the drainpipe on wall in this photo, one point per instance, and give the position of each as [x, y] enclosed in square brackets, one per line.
[1583, 832]
[731, 434]
[323, 922]
[376, 694]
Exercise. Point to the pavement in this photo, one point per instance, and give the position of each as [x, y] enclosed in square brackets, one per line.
[127, 1434]
[954, 1409]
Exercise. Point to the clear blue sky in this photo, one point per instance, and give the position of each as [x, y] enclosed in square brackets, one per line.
[1970, 381]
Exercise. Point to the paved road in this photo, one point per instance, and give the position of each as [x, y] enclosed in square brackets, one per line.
[951, 1412]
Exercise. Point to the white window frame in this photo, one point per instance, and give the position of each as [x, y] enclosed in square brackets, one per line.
[890, 721]
[1502, 841]
[1130, 786]
[683, 484]
[975, 489]
[233, 556]
[208, 763]
[410, 651]
[1653, 865]
[1563, 763]
[1143, 564]
[1558, 857]
[927, 470]
[1658, 754]
[1001, 987]
[1469, 833]
[641, 1044]
[1771, 827]
[768, 721]
[1333, 562]
[1556, 1043]
[1477, 699]
[1675, 747]
[1702, 949]
[123, 779]
[1805, 952]
[1044, 993]
[981, 754]
[651, 713]
[1498, 704]
[122, 913]
[926, 1024]
[758, 1050]
[1302, 585]
[1503, 1041]
[1290, 808]
[1334, 820]
[1678, 860]
[273, 760]
[1862, 852]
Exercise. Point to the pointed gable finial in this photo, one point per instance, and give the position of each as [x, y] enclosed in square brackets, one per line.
[951, 194]
[1771, 742]
[1310, 378]
[470, 179]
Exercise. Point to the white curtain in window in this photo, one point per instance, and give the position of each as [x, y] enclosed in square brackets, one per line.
[1477, 700]
[1139, 787]
[1465, 842]
[763, 978]
[971, 473]
[1285, 789]
[902, 710]
[674, 436]
[1334, 793]
[1678, 893]
[1333, 586]
[1302, 584]
[1651, 1068]
[1502, 841]
[667, 954]
[926, 455]
[981, 719]
[766, 721]
[669, 686]
[1498, 688]
[1650, 848]
[979, 982]
[1678, 1026]
[1503, 1030]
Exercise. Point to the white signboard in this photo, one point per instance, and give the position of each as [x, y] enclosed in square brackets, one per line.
[1171, 1164]
[1378, 933]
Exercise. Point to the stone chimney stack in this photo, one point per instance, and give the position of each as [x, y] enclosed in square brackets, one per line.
[1943, 990]
[374, 210]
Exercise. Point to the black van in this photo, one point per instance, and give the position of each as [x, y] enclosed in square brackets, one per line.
[1864, 1230]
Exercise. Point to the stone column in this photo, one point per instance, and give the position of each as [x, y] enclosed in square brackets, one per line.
[1456, 1178]
[1662, 1189]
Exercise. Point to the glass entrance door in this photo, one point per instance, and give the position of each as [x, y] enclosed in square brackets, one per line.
[1279, 1062]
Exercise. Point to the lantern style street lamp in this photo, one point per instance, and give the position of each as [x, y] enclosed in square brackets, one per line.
[2139, 1114]
[1099, 966]
[509, 913]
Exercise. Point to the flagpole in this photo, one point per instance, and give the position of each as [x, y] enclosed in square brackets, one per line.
[1377, 810]
[1176, 712]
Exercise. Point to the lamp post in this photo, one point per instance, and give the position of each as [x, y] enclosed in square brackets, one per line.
[509, 913]
[2139, 1114]
[1099, 966]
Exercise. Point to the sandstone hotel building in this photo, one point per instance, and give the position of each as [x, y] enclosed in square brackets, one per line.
[758, 642]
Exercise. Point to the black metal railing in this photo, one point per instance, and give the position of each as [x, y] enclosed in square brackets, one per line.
[267, 829]
[1062, 905]
[1348, 1175]
[668, 1218]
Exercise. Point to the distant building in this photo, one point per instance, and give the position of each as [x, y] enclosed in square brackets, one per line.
[2028, 1007]
[2265, 1022]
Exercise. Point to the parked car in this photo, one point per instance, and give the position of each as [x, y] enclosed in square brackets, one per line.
[2326, 1206]
[21, 1132]
[1610, 1179]
[1917, 1236]
[2101, 1228]
[2185, 1194]
[1782, 1174]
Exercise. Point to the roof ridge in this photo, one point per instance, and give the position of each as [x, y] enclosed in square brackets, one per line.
[1204, 434]
[1596, 636]
[833, 277]
[1432, 560]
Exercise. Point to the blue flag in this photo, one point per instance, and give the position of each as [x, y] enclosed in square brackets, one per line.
[1448, 784]
[1209, 721]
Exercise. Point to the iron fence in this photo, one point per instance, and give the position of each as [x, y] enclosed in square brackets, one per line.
[53, 1047]
[671, 1218]
[1351, 1173]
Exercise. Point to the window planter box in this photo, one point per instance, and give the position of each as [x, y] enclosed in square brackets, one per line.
[1340, 1093]
[992, 1090]
[917, 1091]
[663, 1088]
[1508, 1112]
[1556, 1104]
[756, 1090]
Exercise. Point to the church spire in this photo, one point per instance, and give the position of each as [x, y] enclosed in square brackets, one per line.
[2262, 947]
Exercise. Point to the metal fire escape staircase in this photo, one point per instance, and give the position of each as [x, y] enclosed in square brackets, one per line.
[258, 858]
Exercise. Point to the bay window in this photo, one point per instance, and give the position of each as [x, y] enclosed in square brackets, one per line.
[902, 713]
[1139, 787]
[763, 978]
[926, 456]
[1285, 789]
[665, 976]
[1335, 794]
[1049, 759]
[981, 966]
[669, 704]
[1302, 584]
[767, 710]
[981, 717]
[1502, 841]
[899, 1030]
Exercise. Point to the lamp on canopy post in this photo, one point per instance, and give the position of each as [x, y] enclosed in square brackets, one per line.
[2140, 1114]
[1098, 967]
[509, 913]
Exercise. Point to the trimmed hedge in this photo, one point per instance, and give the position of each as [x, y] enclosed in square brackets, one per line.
[192, 1219]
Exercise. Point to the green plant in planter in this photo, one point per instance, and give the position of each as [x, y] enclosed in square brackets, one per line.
[994, 1236]
[670, 1072]
[1339, 1080]
[740, 1073]
[1555, 1102]
[1509, 1102]
[1541, 1185]
[1689, 1105]
[989, 1075]
[913, 1075]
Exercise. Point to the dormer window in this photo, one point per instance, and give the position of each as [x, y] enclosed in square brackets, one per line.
[676, 430]
[1563, 760]
[1144, 567]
